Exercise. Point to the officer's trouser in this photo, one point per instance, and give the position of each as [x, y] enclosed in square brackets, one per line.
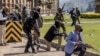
[78, 19]
[2, 30]
[59, 41]
[29, 42]
[63, 27]
[36, 34]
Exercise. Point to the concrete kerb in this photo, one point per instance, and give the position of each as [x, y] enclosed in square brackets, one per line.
[81, 22]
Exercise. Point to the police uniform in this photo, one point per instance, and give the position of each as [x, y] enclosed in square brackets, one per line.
[2, 31]
[59, 17]
[27, 27]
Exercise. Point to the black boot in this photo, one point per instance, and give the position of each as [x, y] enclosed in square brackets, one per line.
[26, 51]
[33, 50]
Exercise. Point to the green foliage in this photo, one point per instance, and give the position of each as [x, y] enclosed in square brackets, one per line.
[49, 4]
[39, 2]
[90, 15]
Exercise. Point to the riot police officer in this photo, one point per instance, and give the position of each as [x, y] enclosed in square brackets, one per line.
[27, 27]
[60, 19]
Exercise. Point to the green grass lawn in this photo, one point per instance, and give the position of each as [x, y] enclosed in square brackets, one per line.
[91, 34]
[91, 31]
[68, 19]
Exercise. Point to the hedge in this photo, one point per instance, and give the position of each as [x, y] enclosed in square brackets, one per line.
[90, 15]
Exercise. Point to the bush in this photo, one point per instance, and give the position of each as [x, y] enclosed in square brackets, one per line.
[90, 15]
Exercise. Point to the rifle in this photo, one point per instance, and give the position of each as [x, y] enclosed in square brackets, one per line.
[62, 10]
[88, 46]
[63, 7]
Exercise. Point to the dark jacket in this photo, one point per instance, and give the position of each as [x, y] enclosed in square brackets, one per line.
[73, 15]
[78, 12]
[28, 24]
[52, 32]
[30, 21]
[4, 13]
[15, 16]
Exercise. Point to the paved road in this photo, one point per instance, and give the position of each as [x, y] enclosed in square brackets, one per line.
[17, 49]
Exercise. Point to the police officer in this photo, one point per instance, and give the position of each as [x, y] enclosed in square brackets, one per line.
[78, 14]
[60, 18]
[16, 13]
[73, 16]
[3, 17]
[37, 26]
[27, 27]
[25, 13]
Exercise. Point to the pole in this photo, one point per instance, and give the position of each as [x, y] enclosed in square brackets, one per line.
[32, 4]
[0, 4]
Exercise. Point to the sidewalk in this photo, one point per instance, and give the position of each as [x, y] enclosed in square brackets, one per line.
[17, 49]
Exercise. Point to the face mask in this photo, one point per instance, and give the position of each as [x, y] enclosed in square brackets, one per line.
[81, 30]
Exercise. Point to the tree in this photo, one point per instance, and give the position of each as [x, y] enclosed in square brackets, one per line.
[49, 5]
[38, 3]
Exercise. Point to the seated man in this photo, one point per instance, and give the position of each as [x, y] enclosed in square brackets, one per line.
[75, 42]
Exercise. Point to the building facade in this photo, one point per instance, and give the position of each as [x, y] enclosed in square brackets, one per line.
[29, 5]
[97, 3]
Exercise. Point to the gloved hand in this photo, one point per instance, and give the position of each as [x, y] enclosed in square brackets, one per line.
[65, 35]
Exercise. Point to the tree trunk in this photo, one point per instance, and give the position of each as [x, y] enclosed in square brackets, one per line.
[0, 4]
[35, 3]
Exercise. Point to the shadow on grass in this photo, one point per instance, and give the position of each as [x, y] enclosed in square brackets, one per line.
[48, 20]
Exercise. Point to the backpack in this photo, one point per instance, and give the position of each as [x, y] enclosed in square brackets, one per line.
[40, 22]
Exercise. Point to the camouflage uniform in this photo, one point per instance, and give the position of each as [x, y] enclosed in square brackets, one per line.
[60, 18]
